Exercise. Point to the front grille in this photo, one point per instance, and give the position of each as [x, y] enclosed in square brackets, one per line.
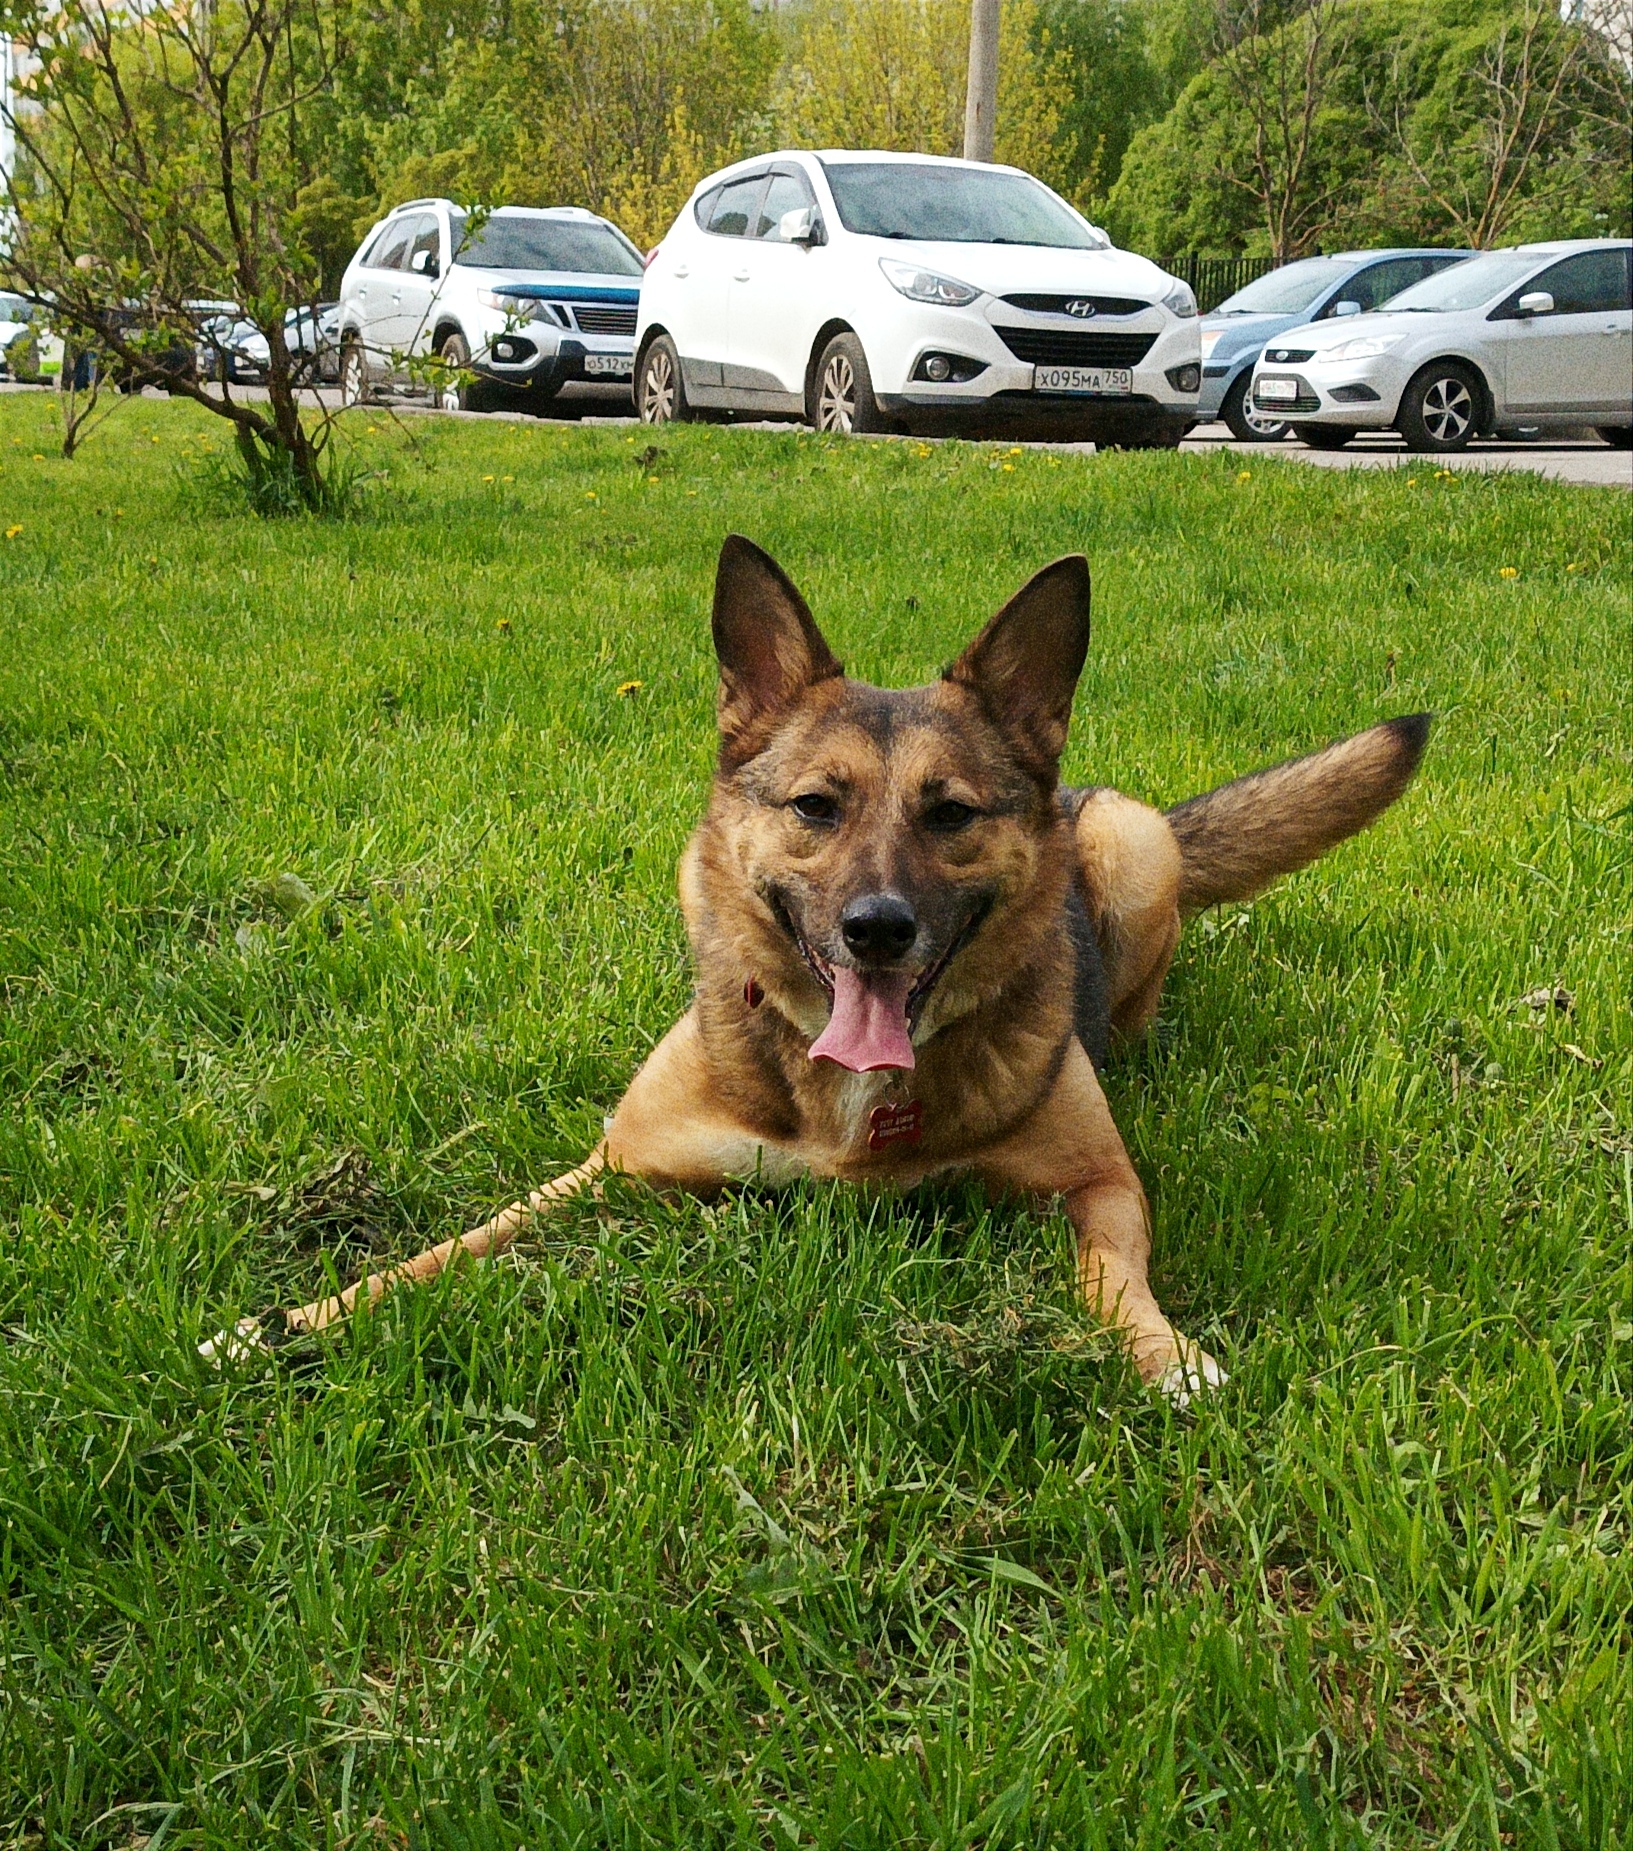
[604, 318]
[1101, 305]
[1306, 401]
[1071, 347]
[1289, 356]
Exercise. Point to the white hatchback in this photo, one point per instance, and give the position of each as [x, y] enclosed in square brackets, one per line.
[1541, 335]
[872, 291]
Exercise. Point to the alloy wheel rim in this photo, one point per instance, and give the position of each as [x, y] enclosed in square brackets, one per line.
[836, 409]
[1448, 410]
[659, 400]
[1261, 425]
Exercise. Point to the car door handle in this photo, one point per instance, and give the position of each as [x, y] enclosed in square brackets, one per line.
[740, 276]
[682, 272]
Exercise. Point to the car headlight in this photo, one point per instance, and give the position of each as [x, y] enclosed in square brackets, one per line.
[1367, 347]
[925, 286]
[1180, 301]
[518, 308]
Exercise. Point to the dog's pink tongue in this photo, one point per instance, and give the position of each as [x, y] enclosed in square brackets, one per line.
[868, 1027]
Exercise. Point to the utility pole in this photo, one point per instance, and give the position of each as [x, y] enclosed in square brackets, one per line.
[981, 98]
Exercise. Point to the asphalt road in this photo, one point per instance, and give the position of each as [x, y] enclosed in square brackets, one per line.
[1587, 460]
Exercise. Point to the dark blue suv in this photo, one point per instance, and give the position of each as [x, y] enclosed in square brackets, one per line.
[1314, 288]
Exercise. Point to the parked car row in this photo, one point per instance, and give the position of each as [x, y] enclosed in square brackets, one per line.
[1540, 336]
[859, 291]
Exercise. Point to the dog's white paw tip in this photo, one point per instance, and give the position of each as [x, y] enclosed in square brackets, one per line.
[1181, 1382]
[245, 1342]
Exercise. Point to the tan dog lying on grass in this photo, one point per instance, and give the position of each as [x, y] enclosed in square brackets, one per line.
[913, 947]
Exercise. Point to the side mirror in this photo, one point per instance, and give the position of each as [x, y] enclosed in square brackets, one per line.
[801, 226]
[1346, 308]
[1535, 302]
[424, 263]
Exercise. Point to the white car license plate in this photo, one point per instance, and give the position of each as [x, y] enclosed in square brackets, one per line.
[1276, 391]
[609, 365]
[1082, 379]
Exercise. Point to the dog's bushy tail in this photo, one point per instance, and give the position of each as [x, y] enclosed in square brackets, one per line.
[1237, 839]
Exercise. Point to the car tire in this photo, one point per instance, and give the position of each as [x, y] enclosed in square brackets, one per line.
[1440, 409]
[1246, 424]
[660, 391]
[458, 394]
[842, 390]
[1168, 435]
[354, 374]
[1323, 436]
[1618, 436]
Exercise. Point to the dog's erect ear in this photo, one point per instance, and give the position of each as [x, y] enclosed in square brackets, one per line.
[769, 647]
[1023, 667]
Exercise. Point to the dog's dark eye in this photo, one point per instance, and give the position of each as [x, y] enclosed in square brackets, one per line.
[813, 807]
[947, 818]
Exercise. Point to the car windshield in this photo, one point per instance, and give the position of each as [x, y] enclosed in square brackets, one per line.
[1286, 291]
[954, 205]
[505, 243]
[1467, 285]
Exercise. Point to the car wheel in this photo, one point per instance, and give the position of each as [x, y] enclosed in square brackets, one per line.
[844, 389]
[354, 375]
[1248, 425]
[660, 392]
[454, 394]
[1440, 409]
[1618, 436]
[1323, 436]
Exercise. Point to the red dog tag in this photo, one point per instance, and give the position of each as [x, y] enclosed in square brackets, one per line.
[896, 1124]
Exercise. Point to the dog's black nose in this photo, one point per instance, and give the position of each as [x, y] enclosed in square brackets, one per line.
[879, 927]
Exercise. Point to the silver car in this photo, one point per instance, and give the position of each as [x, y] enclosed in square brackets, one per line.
[1540, 335]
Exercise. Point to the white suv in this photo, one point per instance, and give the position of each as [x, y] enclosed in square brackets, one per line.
[1540, 335]
[870, 291]
[534, 303]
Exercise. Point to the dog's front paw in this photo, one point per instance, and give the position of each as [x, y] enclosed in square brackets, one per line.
[1193, 1372]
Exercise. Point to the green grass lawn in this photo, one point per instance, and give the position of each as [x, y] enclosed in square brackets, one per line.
[809, 1520]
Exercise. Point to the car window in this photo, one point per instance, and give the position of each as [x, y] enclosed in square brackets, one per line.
[1466, 285]
[734, 208]
[564, 246]
[1587, 284]
[1287, 291]
[1375, 285]
[916, 200]
[15, 309]
[390, 250]
[704, 205]
[784, 194]
[427, 237]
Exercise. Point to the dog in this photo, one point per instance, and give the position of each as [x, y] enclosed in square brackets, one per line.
[914, 948]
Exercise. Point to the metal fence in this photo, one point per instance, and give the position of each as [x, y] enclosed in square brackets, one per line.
[1214, 278]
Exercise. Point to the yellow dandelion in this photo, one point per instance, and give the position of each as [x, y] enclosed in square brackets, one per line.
[1411, 481]
[589, 494]
[507, 478]
[374, 430]
[1573, 567]
[12, 532]
[487, 478]
[503, 626]
[1509, 572]
[153, 440]
[1016, 451]
[627, 688]
[118, 514]
[1009, 469]
[629, 440]
[691, 491]
[652, 478]
[38, 457]
[1244, 475]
